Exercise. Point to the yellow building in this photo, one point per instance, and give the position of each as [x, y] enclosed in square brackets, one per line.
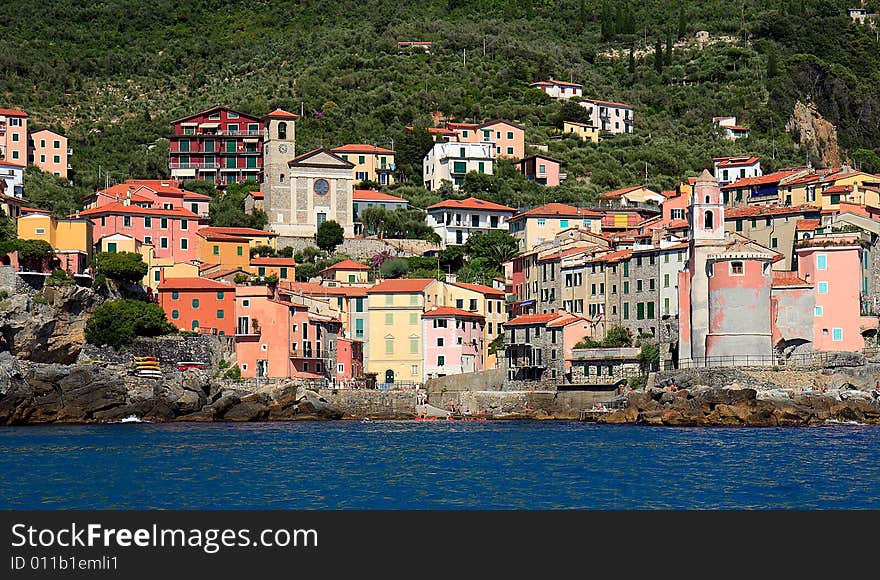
[582, 130]
[370, 162]
[395, 346]
[484, 300]
[283, 268]
[346, 272]
[71, 238]
[222, 248]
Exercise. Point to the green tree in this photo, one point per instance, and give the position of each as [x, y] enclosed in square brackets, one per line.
[632, 60]
[330, 234]
[394, 268]
[682, 23]
[668, 49]
[119, 322]
[202, 186]
[121, 266]
[55, 194]
[496, 246]
[410, 150]
[772, 63]
[227, 208]
[658, 56]
[33, 255]
[649, 356]
[866, 160]
[617, 336]
[8, 228]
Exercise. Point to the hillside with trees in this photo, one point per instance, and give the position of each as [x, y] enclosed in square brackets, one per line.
[112, 75]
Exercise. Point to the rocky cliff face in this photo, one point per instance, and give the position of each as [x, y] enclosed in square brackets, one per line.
[816, 136]
[47, 326]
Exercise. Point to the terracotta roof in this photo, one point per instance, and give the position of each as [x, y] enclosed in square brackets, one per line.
[559, 254]
[736, 127]
[678, 224]
[311, 289]
[362, 148]
[837, 189]
[195, 195]
[346, 265]
[555, 82]
[256, 194]
[273, 261]
[784, 278]
[471, 203]
[225, 272]
[613, 257]
[229, 231]
[804, 179]
[774, 177]
[609, 103]
[536, 156]
[246, 116]
[401, 286]
[555, 209]
[526, 319]
[619, 192]
[454, 126]
[736, 161]
[372, 195]
[120, 208]
[589, 125]
[678, 246]
[193, 284]
[480, 288]
[281, 114]
[448, 311]
[439, 130]
[204, 267]
[564, 319]
[767, 210]
[13, 113]
[807, 225]
[12, 163]
[501, 122]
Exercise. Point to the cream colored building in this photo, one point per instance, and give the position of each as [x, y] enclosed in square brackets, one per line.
[370, 162]
[484, 300]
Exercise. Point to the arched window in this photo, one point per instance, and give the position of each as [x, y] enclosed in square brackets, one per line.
[282, 130]
[281, 178]
[708, 221]
[707, 199]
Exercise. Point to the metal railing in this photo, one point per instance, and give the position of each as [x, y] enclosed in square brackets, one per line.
[767, 361]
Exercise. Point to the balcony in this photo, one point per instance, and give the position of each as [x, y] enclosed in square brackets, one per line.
[195, 165]
[525, 362]
[241, 133]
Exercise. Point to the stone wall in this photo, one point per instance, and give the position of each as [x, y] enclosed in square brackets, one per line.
[488, 380]
[14, 284]
[169, 350]
[362, 248]
[373, 403]
[541, 404]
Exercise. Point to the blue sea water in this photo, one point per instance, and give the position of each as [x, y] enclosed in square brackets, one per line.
[437, 465]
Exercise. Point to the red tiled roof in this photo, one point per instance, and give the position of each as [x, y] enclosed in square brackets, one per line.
[222, 273]
[565, 319]
[736, 161]
[13, 113]
[767, 210]
[677, 224]
[736, 127]
[256, 194]
[401, 286]
[273, 261]
[804, 179]
[454, 126]
[525, 319]
[311, 289]
[471, 203]
[193, 284]
[362, 148]
[807, 225]
[565, 253]
[836, 189]
[494, 122]
[439, 130]
[281, 114]
[120, 208]
[609, 103]
[372, 195]
[346, 265]
[613, 257]
[194, 195]
[229, 231]
[448, 311]
[12, 163]
[480, 288]
[784, 278]
[555, 209]
[555, 82]
[619, 192]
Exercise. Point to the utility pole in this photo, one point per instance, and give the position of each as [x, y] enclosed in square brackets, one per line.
[464, 57]
[301, 109]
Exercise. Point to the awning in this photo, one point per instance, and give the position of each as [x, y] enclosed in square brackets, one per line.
[209, 125]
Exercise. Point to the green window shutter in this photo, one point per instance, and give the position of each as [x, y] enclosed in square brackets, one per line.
[640, 311]
[626, 310]
[175, 314]
[220, 315]
[650, 310]
[195, 303]
[459, 167]
[283, 273]
[239, 251]
[261, 271]
[220, 295]
[414, 346]
[216, 250]
[175, 295]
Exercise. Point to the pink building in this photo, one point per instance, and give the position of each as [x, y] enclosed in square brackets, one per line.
[453, 341]
[171, 231]
[48, 150]
[349, 361]
[832, 264]
[162, 193]
[13, 136]
[507, 138]
[284, 335]
[541, 169]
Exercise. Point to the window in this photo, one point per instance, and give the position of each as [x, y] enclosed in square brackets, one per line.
[126, 221]
[821, 262]
[666, 280]
[414, 299]
[175, 295]
[163, 242]
[283, 273]
[184, 243]
[739, 225]
[626, 286]
[413, 318]
[818, 311]
[651, 309]
[440, 341]
[774, 242]
[359, 328]
[195, 302]
[389, 319]
[835, 199]
[666, 306]
[261, 271]
[563, 224]
[413, 345]
[541, 221]
[239, 250]
[414, 369]
[440, 323]
[358, 304]
[510, 150]
[626, 310]
[184, 224]
[823, 287]
[389, 346]
[651, 284]
[175, 314]
[837, 334]
[459, 167]
[220, 314]
[472, 304]
[640, 311]
[216, 250]
[389, 299]
[340, 368]
[708, 220]
[737, 269]
[156, 275]
[475, 220]
[638, 285]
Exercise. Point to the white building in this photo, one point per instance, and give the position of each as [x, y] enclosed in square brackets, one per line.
[608, 116]
[11, 178]
[559, 89]
[452, 161]
[729, 169]
[731, 129]
[456, 219]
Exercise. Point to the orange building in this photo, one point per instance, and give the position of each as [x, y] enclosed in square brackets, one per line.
[199, 304]
[13, 136]
[48, 150]
[230, 247]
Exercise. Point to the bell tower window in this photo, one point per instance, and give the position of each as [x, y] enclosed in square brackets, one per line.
[282, 130]
[708, 220]
[707, 199]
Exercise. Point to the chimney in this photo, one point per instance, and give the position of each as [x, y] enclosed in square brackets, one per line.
[451, 278]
